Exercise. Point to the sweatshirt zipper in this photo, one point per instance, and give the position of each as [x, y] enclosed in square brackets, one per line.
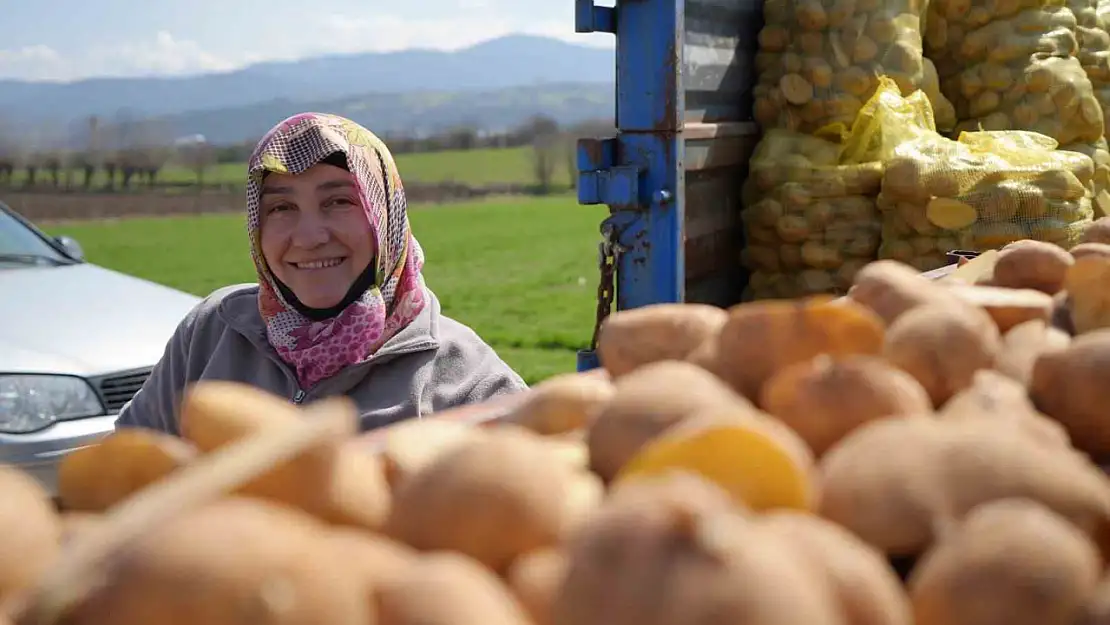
[298, 397]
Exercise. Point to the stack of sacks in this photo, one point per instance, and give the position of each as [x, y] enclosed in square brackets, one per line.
[810, 222]
[1024, 65]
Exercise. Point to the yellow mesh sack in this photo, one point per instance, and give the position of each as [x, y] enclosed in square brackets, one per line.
[980, 192]
[819, 61]
[1015, 65]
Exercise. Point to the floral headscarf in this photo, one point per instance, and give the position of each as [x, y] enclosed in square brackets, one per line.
[319, 349]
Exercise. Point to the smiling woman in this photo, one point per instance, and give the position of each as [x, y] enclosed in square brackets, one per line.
[340, 307]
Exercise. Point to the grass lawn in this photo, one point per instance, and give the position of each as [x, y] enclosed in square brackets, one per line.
[521, 272]
[475, 167]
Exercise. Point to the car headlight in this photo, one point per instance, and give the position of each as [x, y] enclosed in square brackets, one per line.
[33, 402]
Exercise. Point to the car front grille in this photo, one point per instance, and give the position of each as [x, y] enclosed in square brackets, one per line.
[117, 390]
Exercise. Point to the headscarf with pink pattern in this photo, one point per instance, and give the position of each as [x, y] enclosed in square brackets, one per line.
[317, 350]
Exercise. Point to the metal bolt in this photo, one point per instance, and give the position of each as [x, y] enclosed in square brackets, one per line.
[662, 196]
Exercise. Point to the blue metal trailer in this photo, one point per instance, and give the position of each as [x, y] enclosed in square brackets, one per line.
[672, 175]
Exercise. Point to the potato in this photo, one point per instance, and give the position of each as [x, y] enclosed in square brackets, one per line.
[30, 531]
[564, 403]
[1072, 385]
[867, 589]
[241, 560]
[1090, 249]
[1088, 288]
[1097, 232]
[535, 579]
[671, 557]
[995, 397]
[942, 347]
[342, 484]
[891, 288]
[445, 589]
[647, 402]
[1026, 564]
[1061, 313]
[97, 477]
[1008, 307]
[411, 445]
[75, 524]
[217, 413]
[1023, 344]
[372, 557]
[900, 483]
[825, 398]
[1097, 609]
[631, 338]
[761, 338]
[523, 494]
[1036, 265]
[761, 464]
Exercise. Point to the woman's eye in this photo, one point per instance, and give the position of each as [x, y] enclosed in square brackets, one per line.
[278, 208]
[340, 202]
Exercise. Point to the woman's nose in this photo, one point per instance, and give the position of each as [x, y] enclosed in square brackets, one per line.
[311, 231]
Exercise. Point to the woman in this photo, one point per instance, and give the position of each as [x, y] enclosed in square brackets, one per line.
[340, 306]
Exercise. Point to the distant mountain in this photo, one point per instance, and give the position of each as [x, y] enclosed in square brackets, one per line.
[512, 61]
[413, 113]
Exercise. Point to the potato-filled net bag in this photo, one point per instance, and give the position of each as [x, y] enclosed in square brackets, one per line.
[810, 222]
[820, 60]
[1094, 56]
[1013, 65]
[981, 192]
[1099, 152]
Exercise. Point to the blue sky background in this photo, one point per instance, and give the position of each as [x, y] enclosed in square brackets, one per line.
[73, 39]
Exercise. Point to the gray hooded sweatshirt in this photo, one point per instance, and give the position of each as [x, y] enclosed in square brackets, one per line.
[432, 364]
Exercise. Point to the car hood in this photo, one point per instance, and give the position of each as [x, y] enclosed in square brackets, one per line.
[84, 320]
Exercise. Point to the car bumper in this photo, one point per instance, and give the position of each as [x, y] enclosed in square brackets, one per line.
[39, 453]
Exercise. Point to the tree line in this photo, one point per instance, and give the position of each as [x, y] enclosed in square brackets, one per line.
[127, 152]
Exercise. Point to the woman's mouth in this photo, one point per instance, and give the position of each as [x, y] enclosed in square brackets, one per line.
[325, 263]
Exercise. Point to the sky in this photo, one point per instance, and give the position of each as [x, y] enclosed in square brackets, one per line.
[74, 39]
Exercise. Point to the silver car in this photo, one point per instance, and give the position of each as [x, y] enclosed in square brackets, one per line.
[76, 342]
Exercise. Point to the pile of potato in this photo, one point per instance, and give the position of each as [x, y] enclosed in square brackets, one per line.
[819, 60]
[915, 452]
[980, 193]
[810, 222]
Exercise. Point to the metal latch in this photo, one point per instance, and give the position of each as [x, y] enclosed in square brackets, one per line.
[601, 181]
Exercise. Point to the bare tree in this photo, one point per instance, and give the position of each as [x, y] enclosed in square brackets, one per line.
[545, 155]
[9, 147]
[53, 154]
[195, 153]
[29, 155]
[149, 151]
[88, 140]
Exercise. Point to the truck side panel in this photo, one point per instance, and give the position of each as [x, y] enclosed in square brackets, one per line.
[672, 176]
[719, 133]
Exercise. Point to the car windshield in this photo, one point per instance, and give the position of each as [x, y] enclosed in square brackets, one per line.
[20, 245]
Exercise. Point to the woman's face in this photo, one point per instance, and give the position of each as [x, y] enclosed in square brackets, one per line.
[315, 234]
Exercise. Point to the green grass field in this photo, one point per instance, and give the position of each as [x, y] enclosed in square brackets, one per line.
[474, 167]
[521, 272]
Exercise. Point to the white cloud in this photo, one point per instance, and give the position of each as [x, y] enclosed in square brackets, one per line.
[344, 33]
[163, 55]
[31, 62]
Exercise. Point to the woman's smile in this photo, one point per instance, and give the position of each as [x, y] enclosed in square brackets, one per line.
[313, 265]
